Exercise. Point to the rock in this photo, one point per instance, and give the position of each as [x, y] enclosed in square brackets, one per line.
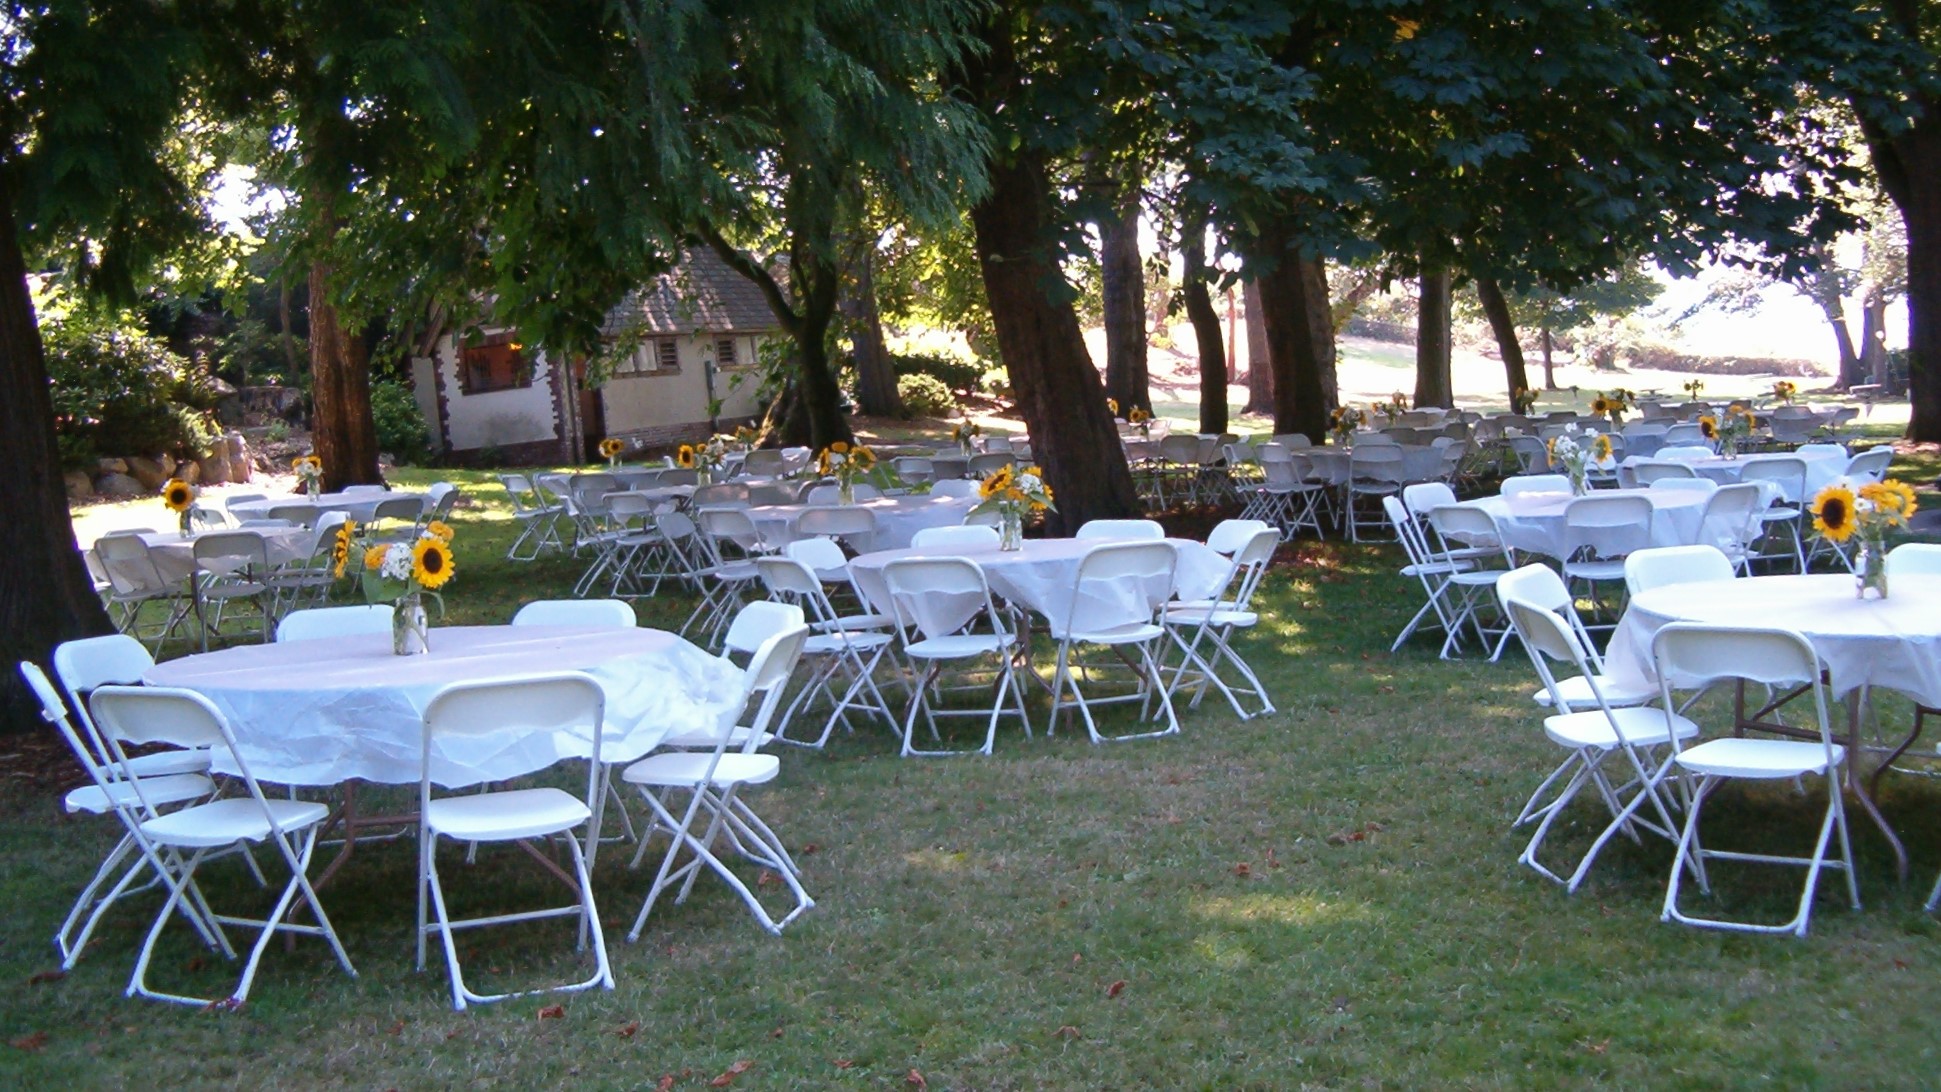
[188, 471]
[111, 466]
[149, 472]
[79, 485]
[215, 468]
[167, 462]
[120, 485]
[239, 463]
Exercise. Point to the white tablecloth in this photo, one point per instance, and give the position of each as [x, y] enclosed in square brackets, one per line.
[1419, 463]
[1892, 643]
[359, 506]
[898, 519]
[1042, 576]
[174, 556]
[322, 712]
[1822, 467]
[1534, 522]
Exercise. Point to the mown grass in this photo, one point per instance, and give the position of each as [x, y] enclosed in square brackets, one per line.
[1326, 896]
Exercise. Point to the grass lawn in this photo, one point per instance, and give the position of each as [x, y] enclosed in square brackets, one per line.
[1326, 896]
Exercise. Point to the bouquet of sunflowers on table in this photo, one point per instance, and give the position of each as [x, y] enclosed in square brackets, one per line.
[1576, 453]
[1395, 407]
[1784, 392]
[847, 463]
[392, 570]
[1141, 420]
[745, 438]
[964, 433]
[611, 449]
[1013, 494]
[180, 498]
[309, 470]
[1729, 430]
[1523, 401]
[705, 457]
[1613, 404]
[1843, 514]
[1692, 388]
[1343, 422]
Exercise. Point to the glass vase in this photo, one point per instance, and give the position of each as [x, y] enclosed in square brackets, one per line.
[703, 475]
[1728, 447]
[1580, 485]
[409, 628]
[1870, 572]
[1010, 529]
[845, 491]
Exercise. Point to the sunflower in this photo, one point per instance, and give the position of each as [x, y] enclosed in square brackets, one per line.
[863, 458]
[440, 530]
[1601, 448]
[178, 495]
[610, 447]
[1893, 497]
[431, 563]
[1833, 513]
[340, 549]
[996, 484]
[374, 556]
[1708, 427]
[840, 447]
[1113, 405]
[1138, 416]
[1600, 407]
[684, 456]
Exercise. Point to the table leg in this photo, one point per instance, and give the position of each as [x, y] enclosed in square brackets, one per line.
[1860, 785]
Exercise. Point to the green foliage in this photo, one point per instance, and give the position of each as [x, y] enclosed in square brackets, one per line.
[925, 395]
[117, 392]
[954, 373]
[401, 430]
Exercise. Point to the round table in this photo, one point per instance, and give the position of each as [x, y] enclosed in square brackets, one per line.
[174, 555]
[1534, 522]
[1822, 468]
[323, 712]
[1420, 463]
[898, 519]
[1043, 575]
[359, 506]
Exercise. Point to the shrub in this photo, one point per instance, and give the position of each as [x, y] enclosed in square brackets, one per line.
[954, 374]
[925, 396]
[117, 392]
[401, 431]
[996, 382]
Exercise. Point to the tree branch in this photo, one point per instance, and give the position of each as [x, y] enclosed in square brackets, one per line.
[778, 300]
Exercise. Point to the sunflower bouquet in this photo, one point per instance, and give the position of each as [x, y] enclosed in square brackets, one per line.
[1343, 422]
[965, 432]
[705, 458]
[1784, 392]
[401, 573]
[309, 470]
[745, 438]
[180, 498]
[1613, 404]
[610, 450]
[1394, 408]
[1523, 401]
[846, 463]
[1012, 494]
[1729, 429]
[1576, 453]
[1693, 388]
[1843, 514]
[1141, 420]
[1113, 405]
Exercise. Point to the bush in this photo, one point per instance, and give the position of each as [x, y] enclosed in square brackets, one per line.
[925, 396]
[119, 392]
[401, 431]
[954, 374]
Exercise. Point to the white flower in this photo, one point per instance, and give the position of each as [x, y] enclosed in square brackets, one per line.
[397, 562]
[837, 459]
[1029, 483]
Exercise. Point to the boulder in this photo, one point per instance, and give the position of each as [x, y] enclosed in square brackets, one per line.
[188, 471]
[120, 485]
[215, 467]
[79, 485]
[110, 466]
[239, 463]
[151, 473]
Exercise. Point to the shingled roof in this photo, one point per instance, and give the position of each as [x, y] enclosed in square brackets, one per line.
[699, 294]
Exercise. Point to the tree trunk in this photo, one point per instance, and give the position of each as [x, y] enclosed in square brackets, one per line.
[875, 372]
[1260, 366]
[288, 338]
[1321, 327]
[1834, 308]
[341, 429]
[1123, 284]
[1500, 322]
[46, 596]
[821, 396]
[1907, 163]
[1432, 336]
[1206, 332]
[1873, 337]
[1549, 362]
[1291, 314]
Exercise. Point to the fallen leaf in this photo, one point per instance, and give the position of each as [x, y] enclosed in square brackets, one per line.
[1069, 1032]
[728, 1078]
[844, 1063]
[627, 1030]
[666, 1082]
[1115, 989]
[809, 849]
[1243, 869]
[30, 1042]
[1075, 958]
[39, 977]
[1597, 1048]
[553, 1012]
[915, 1080]
[776, 1034]
[397, 1028]
[765, 878]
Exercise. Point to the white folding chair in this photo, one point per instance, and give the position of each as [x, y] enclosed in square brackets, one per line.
[128, 715]
[1690, 656]
[1540, 586]
[1663, 565]
[964, 537]
[1592, 736]
[329, 623]
[1374, 470]
[846, 649]
[1647, 472]
[601, 613]
[537, 515]
[1730, 521]
[1914, 559]
[1786, 474]
[1230, 536]
[86, 663]
[308, 578]
[855, 526]
[1433, 575]
[1121, 589]
[231, 567]
[134, 581]
[944, 614]
[1534, 483]
[715, 781]
[725, 542]
[1599, 530]
[108, 794]
[1214, 621]
[1871, 465]
[1489, 559]
[1120, 530]
[960, 488]
[567, 705]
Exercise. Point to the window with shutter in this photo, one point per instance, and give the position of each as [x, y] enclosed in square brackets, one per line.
[496, 364]
[724, 353]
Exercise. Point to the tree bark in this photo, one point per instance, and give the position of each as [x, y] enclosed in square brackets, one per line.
[1907, 163]
[1498, 309]
[1260, 366]
[1206, 332]
[1432, 336]
[1549, 361]
[46, 596]
[875, 372]
[1322, 327]
[341, 429]
[1873, 337]
[1122, 279]
[1291, 313]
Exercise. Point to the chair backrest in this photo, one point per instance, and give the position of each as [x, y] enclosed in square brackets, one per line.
[402, 509]
[1292, 440]
[1692, 656]
[913, 468]
[955, 538]
[1230, 535]
[1122, 529]
[856, 525]
[1547, 637]
[86, 663]
[1541, 587]
[1465, 525]
[1683, 433]
[765, 460]
[1690, 485]
[1376, 462]
[1180, 448]
[354, 490]
[980, 465]
[1730, 514]
[1535, 483]
[1814, 451]
[1661, 565]
[758, 621]
[139, 715]
[601, 613]
[720, 525]
[1423, 496]
[954, 487]
[299, 514]
[1786, 472]
[820, 554]
[1408, 532]
[1914, 558]
[519, 490]
[772, 493]
[927, 595]
[1531, 453]
[129, 568]
[324, 623]
[721, 495]
[443, 496]
[231, 551]
[1648, 471]
[54, 711]
[568, 703]
[1610, 526]
[678, 476]
[1870, 465]
[1121, 583]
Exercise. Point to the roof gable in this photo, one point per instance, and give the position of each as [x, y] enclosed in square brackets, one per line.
[701, 294]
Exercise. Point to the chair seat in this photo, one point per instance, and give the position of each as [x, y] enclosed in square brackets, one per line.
[222, 822]
[1594, 570]
[1132, 633]
[824, 645]
[853, 623]
[1436, 568]
[679, 769]
[157, 790]
[1642, 726]
[1479, 578]
[959, 646]
[163, 763]
[705, 741]
[1193, 616]
[1577, 692]
[506, 816]
[1758, 758]
[1778, 513]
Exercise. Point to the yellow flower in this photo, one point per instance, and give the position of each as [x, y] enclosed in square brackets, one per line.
[862, 458]
[1708, 427]
[340, 549]
[995, 484]
[178, 495]
[1600, 407]
[1601, 448]
[431, 563]
[374, 557]
[684, 456]
[1893, 498]
[440, 530]
[1138, 416]
[611, 447]
[840, 447]
[1833, 513]
[1113, 405]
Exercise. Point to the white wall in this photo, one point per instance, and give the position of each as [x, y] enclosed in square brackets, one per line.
[498, 418]
[424, 390]
[658, 399]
